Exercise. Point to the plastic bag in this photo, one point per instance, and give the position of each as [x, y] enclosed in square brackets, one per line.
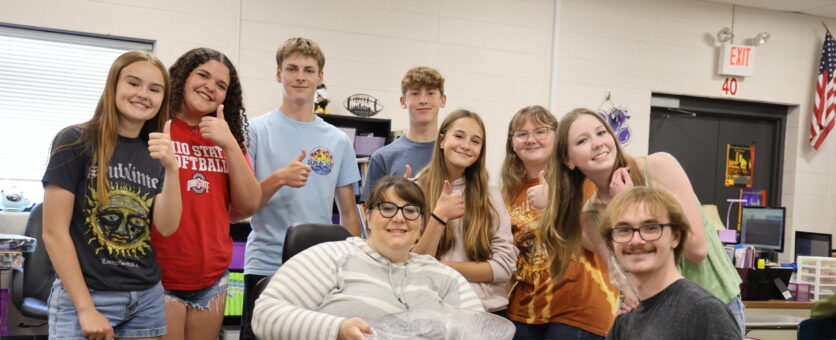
[619, 279]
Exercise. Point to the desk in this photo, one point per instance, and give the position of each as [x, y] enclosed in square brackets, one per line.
[774, 319]
[779, 304]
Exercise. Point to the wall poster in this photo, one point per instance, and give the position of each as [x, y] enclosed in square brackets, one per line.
[740, 165]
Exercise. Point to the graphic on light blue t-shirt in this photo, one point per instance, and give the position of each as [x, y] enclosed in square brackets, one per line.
[275, 140]
[321, 160]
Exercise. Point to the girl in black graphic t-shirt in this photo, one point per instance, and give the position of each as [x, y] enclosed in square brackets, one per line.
[105, 187]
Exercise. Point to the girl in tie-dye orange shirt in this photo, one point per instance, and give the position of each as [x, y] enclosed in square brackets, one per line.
[583, 303]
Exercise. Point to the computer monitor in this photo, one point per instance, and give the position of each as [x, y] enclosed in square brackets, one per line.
[813, 244]
[763, 228]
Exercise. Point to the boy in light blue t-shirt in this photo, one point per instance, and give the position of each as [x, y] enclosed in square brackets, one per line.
[422, 93]
[302, 163]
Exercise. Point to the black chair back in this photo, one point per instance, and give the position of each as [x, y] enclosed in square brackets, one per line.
[301, 236]
[33, 284]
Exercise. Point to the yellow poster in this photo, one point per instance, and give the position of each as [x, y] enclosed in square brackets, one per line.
[740, 165]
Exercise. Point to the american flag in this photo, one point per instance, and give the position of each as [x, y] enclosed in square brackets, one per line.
[824, 109]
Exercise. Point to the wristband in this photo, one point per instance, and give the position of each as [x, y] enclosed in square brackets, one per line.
[438, 219]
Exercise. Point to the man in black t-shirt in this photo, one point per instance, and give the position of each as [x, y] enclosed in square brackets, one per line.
[645, 229]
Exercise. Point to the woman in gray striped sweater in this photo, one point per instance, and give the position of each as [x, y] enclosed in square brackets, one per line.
[334, 290]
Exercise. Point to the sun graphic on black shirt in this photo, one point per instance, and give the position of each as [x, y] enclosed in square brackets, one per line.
[122, 226]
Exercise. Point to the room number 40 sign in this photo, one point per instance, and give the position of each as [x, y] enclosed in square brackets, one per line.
[730, 86]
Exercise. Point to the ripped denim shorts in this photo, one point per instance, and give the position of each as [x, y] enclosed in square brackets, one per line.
[200, 298]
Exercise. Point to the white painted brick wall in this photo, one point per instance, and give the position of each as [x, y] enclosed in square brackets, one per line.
[496, 57]
[636, 47]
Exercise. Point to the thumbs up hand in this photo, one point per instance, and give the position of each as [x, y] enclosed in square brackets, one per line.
[450, 206]
[216, 130]
[537, 195]
[408, 172]
[159, 146]
[295, 173]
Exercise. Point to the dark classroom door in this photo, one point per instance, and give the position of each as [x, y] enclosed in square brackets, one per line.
[697, 137]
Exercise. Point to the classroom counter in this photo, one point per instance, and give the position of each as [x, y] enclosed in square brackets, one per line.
[779, 311]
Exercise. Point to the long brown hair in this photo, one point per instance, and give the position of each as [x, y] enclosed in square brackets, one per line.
[234, 101]
[478, 218]
[101, 133]
[513, 169]
[561, 230]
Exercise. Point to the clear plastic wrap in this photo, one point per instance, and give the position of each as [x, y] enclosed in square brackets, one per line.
[442, 324]
[629, 294]
[619, 279]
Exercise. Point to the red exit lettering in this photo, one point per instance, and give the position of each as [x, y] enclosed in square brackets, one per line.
[739, 56]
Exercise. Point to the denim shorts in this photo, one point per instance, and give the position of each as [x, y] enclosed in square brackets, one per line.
[133, 314]
[200, 298]
[737, 309]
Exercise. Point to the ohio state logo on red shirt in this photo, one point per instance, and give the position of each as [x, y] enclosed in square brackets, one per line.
[198, 184]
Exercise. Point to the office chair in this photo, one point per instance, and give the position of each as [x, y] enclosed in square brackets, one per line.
[817, 329]
[33, 282]
[299, 236]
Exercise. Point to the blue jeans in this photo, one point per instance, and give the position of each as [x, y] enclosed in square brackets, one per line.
[200, 298]
[551, 331]
[132, 314]
[736, 308]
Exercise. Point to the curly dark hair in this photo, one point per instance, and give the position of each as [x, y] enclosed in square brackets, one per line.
[234, 101]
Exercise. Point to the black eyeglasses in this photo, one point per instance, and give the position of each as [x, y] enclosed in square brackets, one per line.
[539, 133]
[649, 232]
[388, 210]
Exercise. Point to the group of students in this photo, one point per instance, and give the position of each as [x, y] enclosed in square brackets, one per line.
[142, 248]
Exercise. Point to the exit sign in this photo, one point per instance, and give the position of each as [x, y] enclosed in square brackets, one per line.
[737, 60]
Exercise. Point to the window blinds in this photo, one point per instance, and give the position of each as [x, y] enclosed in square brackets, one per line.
[48, 80]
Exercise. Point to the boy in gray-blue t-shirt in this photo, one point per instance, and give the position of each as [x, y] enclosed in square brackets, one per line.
[392, 159]
[422, 93]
